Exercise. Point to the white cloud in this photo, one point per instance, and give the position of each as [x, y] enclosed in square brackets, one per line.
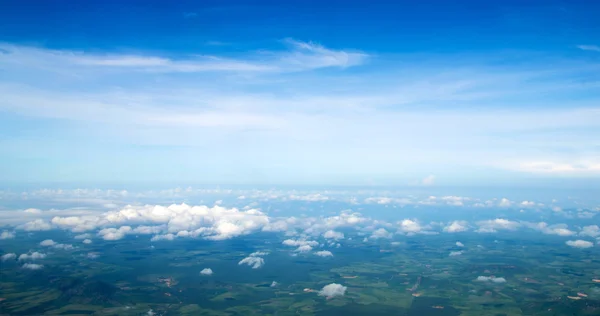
[324, 253]
[457, 226]
[48, 243]
[491, 279]
[410, 226]
[206, 271]
[163, 237]
[92, 255]
[556, 229]
[33, 266]
[455, 253]
[300, 242]
[429, 180]
[504, 202]
[381, 233]
[9, 256]
[590, 231]
[33, 211]
[560, 168]
[274, 284]
[333, 290]
[490, 226]
[593, 48]
[32, 256]
[579, 243]
[330, 234]
[527, 204]
[254, 262]
[7, 235]
[83, 236]
[114, 233]
[87, 241]
[35, 225]
[304, 248]
[459, 244]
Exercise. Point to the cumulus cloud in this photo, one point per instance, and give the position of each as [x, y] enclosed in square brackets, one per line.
[504, 202]
[48, 243]
[7, 235]
[300, 242]
[455, 253]
[274, 284]
[556, 229]
[87, 241]
[492, 226]
[32, 211]
[333, 290]
[381, 233]
[35, 225]
[33, 266]
[579, 243]
[590, 231]
[331, 234]
[114, 233]
[324, 253]
[9, 256]
[304, 248]
[254, 262]
[410, 226]
[163, 237]
[32, 256]
[527, 204]
[83, 236]
[206, 271]
[459, 244]
[491, 279]
[456, 227]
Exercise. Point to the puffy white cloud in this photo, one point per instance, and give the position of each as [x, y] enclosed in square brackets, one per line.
[527, 204]
[163, 237]
[64, 246]
[32, 256]
[147, 230]
[456, 227]
[87, 241]
[254, 262]
[206, 271]
[77, 223]
[455, 253]
[333, 290]
[331, 234]
[7, 235]
[300, 242]
[274, 284]
[381, 233]
[35, 225]
[114, 233]
[259, 254]
[491, 226]
[33, 266]
[304, 248]
[410, 226]
[504, 202]
[324, 253]
[33, 211]
[579, 243]
[491, 279]
[48, 243]
[9, 256]
[590, 231]
[459, 244]
[557, 229]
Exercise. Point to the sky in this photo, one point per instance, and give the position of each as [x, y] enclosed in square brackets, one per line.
[394, 93]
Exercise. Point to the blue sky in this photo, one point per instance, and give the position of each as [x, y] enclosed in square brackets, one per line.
[432, 94]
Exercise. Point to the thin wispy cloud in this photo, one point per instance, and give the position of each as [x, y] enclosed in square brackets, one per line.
[593, 48]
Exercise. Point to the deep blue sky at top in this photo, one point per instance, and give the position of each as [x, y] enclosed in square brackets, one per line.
[384, 26]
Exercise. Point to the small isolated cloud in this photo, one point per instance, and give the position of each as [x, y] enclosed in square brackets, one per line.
[455, 253]
[527, 204]
[32, 211]
[579, 243]
[593, 48]
[333, 290]
[254, 262]
[331, 234]
[48, 243]
[9, 256]
[493, 225]
[33, 266]
[324, 253]
[32, 256]
[274, 284]
[410, 226]
[456, 227]
[504, 202]
[87, 241]
[190, 15]
[491, 279]
[429, 180]
[206, 271]
[590, 231]
[300, 242]
[7, 235]
[304, 248]
[459, 244]
[381, 233]
[83, 236]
